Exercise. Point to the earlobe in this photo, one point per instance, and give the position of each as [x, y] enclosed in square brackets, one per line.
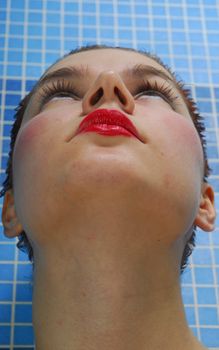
[206, 214]
[11, 224]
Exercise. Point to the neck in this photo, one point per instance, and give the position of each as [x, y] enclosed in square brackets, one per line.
[108, 305]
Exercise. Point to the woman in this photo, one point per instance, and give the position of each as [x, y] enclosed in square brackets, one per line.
[106, 185]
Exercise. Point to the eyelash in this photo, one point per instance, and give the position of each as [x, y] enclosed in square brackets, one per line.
[58, 87]
[63, 87]
[163, 91]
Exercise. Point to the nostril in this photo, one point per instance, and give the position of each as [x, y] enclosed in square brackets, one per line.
[95, 98]
[121, 96]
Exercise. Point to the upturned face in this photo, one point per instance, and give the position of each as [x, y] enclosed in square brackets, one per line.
[57, 174]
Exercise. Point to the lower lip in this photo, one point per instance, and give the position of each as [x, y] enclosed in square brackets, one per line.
[107, 130]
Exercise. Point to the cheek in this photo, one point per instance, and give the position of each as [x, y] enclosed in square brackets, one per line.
[188, 136]
[36, 143]
[183, 137]
[30, 134]
[31, 151]
[39, 132]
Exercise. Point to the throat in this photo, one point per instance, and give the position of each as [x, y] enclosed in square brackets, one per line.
[111, 309]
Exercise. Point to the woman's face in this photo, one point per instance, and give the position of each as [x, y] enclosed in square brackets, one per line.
[56, 173]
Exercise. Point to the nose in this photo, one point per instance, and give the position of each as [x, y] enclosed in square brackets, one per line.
[108, 90]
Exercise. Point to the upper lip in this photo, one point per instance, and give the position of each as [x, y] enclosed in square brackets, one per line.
[108, 116]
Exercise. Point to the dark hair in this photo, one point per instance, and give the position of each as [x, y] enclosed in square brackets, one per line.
[23, 243]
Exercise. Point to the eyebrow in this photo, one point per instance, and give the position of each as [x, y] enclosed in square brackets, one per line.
[137, 71]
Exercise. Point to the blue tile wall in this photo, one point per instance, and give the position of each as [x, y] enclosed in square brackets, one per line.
[33, 34]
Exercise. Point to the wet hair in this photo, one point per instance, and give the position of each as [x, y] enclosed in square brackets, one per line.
[23, 243]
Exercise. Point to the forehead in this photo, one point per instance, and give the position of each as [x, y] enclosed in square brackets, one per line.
[107, 59]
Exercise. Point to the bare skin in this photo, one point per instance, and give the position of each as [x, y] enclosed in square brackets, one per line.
[108, 217]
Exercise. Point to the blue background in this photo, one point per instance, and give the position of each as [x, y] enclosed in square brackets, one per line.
[185, 34]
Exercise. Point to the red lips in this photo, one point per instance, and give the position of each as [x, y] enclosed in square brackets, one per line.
[109, 117]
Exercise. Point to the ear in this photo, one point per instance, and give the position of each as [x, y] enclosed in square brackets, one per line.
[11, 224]
[206, 214]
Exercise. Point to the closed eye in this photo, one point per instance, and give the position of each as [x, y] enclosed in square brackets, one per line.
[58, 89]
[153, 89]
[62, 89]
